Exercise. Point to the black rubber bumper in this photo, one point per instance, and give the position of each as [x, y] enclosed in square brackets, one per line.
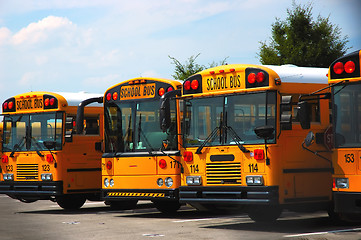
[139, 194]
[239, 195]
[31, 188]
[347, 202]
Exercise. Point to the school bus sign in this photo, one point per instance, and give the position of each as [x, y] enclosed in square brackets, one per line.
[137, 91]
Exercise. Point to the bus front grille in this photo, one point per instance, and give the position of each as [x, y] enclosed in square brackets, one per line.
[223, 173]
[27, 171]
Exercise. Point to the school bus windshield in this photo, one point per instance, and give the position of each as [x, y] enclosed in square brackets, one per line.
[347, 99]
[237, 115]
[139, 128]
[27, 132]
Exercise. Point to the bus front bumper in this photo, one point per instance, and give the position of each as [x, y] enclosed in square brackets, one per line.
[31, 188]
[235, 195]
[347, 202]
[139, 194]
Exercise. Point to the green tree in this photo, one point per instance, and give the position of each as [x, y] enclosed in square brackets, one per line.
[190, 67]
[301, 41]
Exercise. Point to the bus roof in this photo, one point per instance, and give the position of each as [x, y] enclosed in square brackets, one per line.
[292, 73]
[74, 99]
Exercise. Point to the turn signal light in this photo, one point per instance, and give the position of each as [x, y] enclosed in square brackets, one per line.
[194, 84]
[109, 96]
[161, 91]
[258, 154]
[338, 68]
[115, 96]
[188, 156]
[49, 158]
[4, 159]
[251, 78]
[187, 85]
[349, 67]
[162, 164]
[109, 165]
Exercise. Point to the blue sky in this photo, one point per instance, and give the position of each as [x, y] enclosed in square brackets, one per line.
[90, 45]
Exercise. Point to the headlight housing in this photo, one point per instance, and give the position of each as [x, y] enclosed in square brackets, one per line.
[8, 176]
[254, 180]
[111, 182]
[168, 182]
[194, 180]
[342, 183]
[160, 182]
[106, 182]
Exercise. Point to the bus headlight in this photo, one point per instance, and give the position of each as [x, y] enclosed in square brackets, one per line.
[254, 180]
[111, 182]
[194, 180]
[106, 182]
[342, 183]
[46, 177]
[168, 182]
[160, 182]
[8, 176]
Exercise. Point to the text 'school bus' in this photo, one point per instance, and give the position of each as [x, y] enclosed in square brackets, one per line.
[43, 158]
[141, 162]
[243, 146]
[345, 135]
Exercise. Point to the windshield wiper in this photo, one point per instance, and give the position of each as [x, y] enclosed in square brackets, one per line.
[236, 138]
[38, 146]
[208, 139]
[140, 131]
[17, 146]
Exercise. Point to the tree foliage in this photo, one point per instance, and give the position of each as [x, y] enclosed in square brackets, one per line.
[190, 67]
[301, 41]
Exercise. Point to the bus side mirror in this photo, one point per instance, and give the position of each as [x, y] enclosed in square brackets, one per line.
[49, 144]
[286, 112]
[303, 114]
[264, 132]
[69, 129]
[309, 139]
[164, 114]
[164, 111]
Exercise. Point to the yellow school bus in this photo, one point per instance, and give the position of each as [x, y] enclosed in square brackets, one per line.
[243, 146]
[141, 162]
[43, 157]
[345, 134]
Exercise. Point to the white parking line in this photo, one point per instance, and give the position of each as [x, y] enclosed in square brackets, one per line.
[194, 220]
[320, 233]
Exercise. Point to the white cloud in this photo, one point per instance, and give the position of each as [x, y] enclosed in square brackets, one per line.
[30, 78]
[41, 30]
[5, 35]
[101, 83]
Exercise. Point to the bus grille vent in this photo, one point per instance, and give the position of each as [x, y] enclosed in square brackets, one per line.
[223, 173]
[27, 171]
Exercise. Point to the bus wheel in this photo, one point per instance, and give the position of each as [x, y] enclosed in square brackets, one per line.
[27, 200]
[167, 207]
[71, 202]
[123, 204]
[264, 213]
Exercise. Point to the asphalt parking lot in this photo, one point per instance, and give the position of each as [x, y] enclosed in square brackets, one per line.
[46, 220]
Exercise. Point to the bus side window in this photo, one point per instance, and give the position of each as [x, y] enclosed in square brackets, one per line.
[91, 126]
[314, 109]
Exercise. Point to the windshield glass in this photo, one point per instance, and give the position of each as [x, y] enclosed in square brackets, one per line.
[27, 132]
[218, 118]
[135, 126]
[347, 115]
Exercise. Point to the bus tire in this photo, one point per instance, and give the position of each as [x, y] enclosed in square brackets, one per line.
[71, 202]
[264, 213]
[123, 204]
[167, 207]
